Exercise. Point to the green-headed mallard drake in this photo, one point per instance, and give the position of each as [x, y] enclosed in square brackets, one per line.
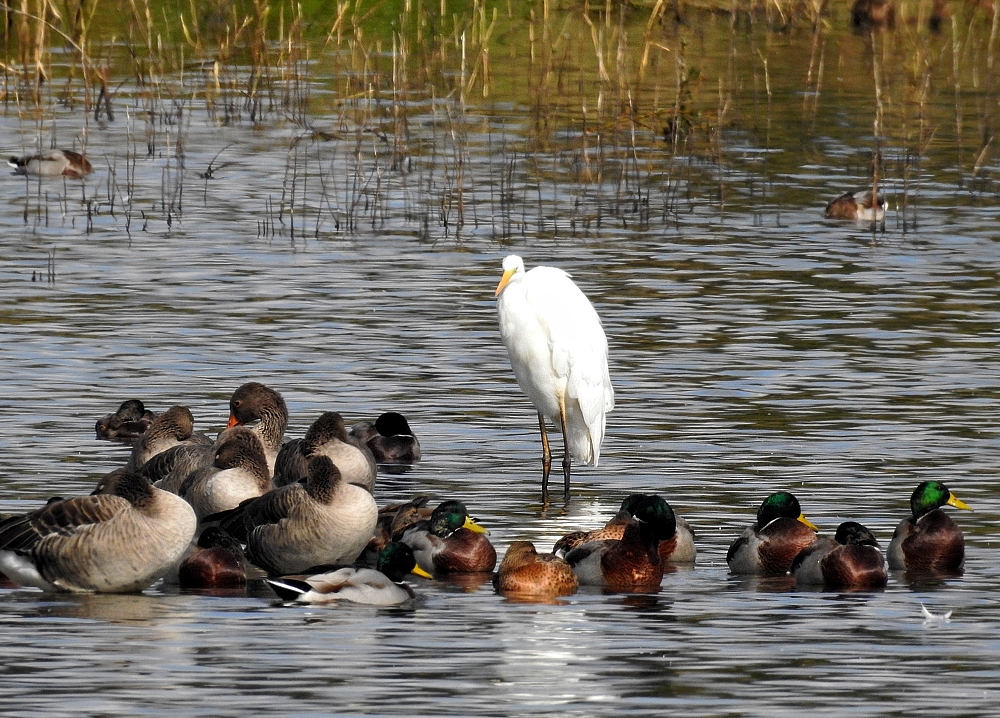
[293, 528]
[381, 587]
[523, 571]
[929, 540]
[679, 548]
[390, 439]
[768, 547]
[851, 559]
[262, 408]
[216, 562]
[125, 425]
[118, 541]
[450, 541]
[632, 562]
[326, 437]
[52, 163]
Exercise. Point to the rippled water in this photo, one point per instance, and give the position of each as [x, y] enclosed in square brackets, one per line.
[754, 349]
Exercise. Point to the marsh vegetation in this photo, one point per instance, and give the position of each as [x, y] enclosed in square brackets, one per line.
[513, 118]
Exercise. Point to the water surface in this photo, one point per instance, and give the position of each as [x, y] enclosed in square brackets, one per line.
[755, 348]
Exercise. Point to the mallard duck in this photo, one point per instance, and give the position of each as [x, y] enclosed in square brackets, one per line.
[679, 548]
[378, 587]
[238, 472]
[390, 439]
[118, 541]
[254, 402]
[450, 541]
[769, 546]
[326, 437]
[851, 559]
[52, 163]
[216, 562]
[523, 571]
[173, 427]
[856, 205]
[392, 522]
[125, 425]
[293, 528]
[633, 562]
[929, 540]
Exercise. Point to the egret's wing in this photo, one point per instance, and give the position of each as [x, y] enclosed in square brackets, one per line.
[579, 348]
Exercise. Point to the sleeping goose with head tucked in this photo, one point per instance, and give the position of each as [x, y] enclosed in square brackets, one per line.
[293, 528]
[117, 541]
[326, 437]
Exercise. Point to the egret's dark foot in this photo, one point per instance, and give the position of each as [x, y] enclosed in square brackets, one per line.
[565, 466]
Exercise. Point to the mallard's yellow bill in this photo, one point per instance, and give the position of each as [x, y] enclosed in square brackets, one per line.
[958, 503]
[503, 281]
[471, 524]
[807, 522]
[420, 572]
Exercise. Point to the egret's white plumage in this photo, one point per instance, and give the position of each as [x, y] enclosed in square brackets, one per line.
[559, 354]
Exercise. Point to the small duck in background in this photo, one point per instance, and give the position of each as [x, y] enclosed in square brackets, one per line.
[856, 205]
[216, 562]
[377, 587]
[125, 425]
[678, 548]
[52, 163]
[850, 560]
[768, 547]
[451, 541]
[390, 439]
[524, 572]
[632, 562]
[873, 15]
[929, 540]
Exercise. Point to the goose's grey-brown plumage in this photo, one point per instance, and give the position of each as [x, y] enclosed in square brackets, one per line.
[261, 407]
[326, 437]
[238, 472]
[173, 427]
[293, 528]
[118, 541]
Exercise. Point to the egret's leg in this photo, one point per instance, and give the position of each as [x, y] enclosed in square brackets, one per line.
[566, 456]
[546, 458]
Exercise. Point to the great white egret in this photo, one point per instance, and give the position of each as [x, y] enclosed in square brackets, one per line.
[559, 354]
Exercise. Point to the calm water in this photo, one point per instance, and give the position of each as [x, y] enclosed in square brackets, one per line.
[753, 349]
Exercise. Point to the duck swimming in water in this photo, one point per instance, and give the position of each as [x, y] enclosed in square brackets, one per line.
[523, 571]
[52, 163]
[929, 539]
[382, 586]
[450, 541]
[850, 560]
[856, 205]
[768, 547]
